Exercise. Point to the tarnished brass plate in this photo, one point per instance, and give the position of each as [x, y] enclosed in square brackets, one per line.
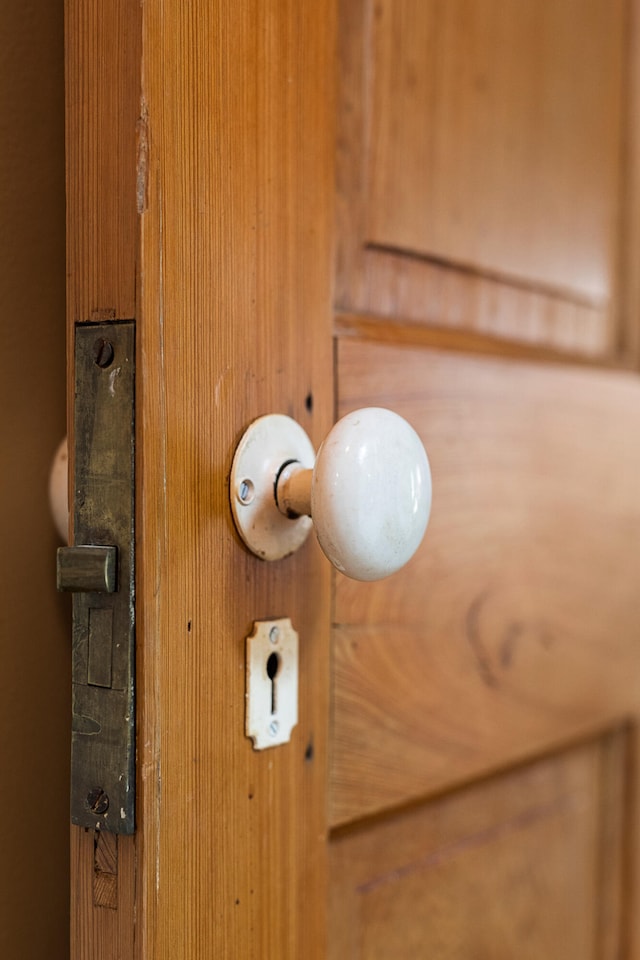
[103, 733]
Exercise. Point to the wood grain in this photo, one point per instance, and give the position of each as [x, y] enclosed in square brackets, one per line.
[235, 323]
[631, 852]
[105, 870]
[628, 300]
[616, 824]
[462, 164]
[512, 632]
[514, 626]
[495, 137]
[390, 330]
[102, 99]
[102, 78]
[509, 867]
[230, 853]
[102, 910]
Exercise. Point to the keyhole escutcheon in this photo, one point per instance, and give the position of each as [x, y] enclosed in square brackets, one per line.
[272, 683]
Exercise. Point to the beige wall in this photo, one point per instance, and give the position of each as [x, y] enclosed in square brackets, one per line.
[34, 630]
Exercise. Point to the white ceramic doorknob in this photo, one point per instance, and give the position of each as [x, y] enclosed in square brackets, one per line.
[367, 493]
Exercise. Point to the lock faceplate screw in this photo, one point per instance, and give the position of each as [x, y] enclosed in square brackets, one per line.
[103, 352]
[274, 634]
[98, 801]
[274, 726]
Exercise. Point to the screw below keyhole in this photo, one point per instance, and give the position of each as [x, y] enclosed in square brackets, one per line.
[274, 726]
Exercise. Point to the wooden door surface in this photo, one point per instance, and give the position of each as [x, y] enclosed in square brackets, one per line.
[308, 208]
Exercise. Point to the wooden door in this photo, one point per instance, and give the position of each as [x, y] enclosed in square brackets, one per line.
[431, 207]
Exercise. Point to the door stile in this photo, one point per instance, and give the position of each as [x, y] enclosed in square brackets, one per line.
[102, 100]
[200, 202]
[235, 323]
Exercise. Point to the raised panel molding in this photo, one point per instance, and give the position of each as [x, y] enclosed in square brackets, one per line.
[485, 168]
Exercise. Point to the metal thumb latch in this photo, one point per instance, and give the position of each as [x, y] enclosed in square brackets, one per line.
[99, 570]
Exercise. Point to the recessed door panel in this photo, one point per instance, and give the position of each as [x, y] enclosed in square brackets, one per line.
[527, 864]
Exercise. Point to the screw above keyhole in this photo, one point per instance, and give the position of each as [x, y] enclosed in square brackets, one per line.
[273, 668]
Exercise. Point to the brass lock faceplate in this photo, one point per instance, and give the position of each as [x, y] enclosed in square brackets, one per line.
[99, 570]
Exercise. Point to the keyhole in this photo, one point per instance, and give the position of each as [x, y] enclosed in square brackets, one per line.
[273, 668]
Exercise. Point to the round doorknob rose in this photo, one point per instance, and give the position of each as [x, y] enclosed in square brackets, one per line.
[367, 493]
